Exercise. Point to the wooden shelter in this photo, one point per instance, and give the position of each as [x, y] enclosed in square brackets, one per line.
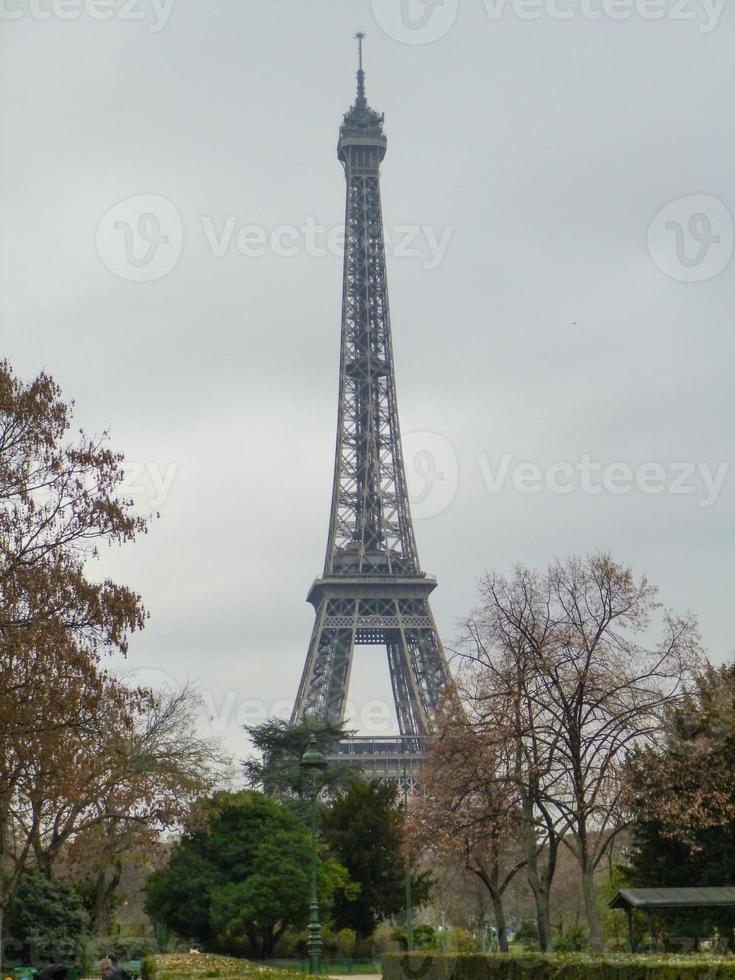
[650, 900]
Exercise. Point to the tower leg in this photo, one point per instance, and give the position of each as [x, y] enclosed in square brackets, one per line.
[326, 678]
[406, 692]
[429, 667]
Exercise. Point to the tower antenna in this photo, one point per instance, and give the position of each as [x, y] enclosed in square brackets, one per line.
[360, 72]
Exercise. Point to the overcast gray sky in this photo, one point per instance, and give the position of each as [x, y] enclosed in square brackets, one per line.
[558, 194]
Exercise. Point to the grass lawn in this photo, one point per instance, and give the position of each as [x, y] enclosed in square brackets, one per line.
[193, 966]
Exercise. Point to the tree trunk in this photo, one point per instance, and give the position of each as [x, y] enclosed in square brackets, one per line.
[590, 905]
[539, 882]
[7, 870]
[490, 881]
[44, 863]
[102, 909]
[255, 943]
[500, 924]
[543, 913]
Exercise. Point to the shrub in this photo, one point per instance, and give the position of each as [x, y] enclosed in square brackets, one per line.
[344, 942]
[387, 940]
[459, 940]
[364, 949]
[149, 968]
[527, 934]
[292, 945]
[425, 937]
[536, 966]
[571, 941]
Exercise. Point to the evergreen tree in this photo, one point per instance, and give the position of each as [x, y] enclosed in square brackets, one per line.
[276, 770]
[45, 921]
[683, 799]
[364, 830]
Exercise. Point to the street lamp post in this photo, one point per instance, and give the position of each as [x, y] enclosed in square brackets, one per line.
[312, 762]
[409, 898]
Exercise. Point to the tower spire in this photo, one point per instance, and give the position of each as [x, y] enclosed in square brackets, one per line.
[360, 71]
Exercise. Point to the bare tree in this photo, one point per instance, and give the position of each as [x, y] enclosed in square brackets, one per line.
[591, 690]
[467, 810]
[161, 767]
[138, 770]
[500, 693]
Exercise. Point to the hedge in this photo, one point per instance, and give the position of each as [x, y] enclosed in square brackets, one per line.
[536, 966]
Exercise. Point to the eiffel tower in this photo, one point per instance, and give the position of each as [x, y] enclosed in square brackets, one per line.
[372, 590]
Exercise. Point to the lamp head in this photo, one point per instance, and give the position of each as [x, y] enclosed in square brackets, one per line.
[313, 758]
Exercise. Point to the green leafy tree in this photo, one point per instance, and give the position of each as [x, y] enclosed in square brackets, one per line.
[179, 896]
[45, 921]
[364, 829]
[240, 877]
[272, 898]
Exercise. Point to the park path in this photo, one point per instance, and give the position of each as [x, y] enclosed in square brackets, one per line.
[355, 976]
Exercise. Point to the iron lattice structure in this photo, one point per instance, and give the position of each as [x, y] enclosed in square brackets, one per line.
[372, 590]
